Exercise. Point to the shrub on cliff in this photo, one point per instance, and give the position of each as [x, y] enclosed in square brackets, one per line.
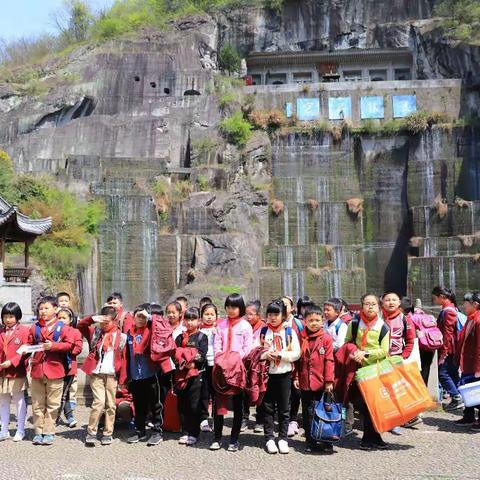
[236, 129]
[462, 19]
[229, 60]
[268, 120]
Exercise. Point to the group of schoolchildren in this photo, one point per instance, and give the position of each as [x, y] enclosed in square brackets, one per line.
[210, 364]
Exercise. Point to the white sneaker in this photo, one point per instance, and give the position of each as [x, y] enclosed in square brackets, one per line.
[19, 436]
[183, 440]
[283, 446]
[292, 429]
[271, 447]
[4, 436]
[205, 427]
[191, 441]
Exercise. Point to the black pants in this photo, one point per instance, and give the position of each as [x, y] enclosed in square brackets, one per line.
[294, 403]
[246, 411]
[209, 392]
[426, 359]
[146, 400]
[370, 435]
[237, 404]
[190, 405]
[277, 398]
[65, 405]
[308, 401]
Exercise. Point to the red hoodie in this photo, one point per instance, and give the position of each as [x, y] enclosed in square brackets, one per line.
[468, 348]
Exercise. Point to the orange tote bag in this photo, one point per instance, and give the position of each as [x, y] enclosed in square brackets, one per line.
[392, 393]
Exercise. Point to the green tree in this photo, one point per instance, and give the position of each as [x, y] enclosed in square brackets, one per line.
[73, 21]
[229, 60]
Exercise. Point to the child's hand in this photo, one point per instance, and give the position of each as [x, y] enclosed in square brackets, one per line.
[47, 345]
[358, 356]
[329, 387]
[6, 364]
[296, 384]
[190, 365]
[271, 356]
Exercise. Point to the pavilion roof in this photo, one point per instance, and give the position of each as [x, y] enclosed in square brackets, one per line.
[17, 227]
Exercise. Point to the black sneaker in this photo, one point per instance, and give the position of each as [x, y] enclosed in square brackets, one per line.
[464, 421]
[381, 445]
[455, 404]
[325, 447]
[106, 440]
[137, 437]
[367, 446]
[475, 427]
[155, 439]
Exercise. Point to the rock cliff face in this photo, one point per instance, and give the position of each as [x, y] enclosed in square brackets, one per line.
[121, 115]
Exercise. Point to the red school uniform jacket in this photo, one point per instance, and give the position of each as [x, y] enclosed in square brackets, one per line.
[447, 323]
[89, 332]
[316, 365]
[468, 349]
[77, 343]
[10, 342]
[50, 364]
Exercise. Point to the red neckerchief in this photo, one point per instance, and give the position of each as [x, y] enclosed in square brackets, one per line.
[277, 328]
[205, 327]
[231, 323]
[307, 337]
[139, 347]
[186, 336]
[258, 325]
[389, 316]
[369, 324]
[108, 336]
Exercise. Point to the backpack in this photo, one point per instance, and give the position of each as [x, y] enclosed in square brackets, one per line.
[257, 376]
[461, 319]
[162, 345]
[56, 338]
[288, 335]
[299, 324]
[328, 423]
[429, 336]
[384, 330]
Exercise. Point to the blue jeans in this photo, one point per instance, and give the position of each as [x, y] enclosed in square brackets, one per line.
[448, 376]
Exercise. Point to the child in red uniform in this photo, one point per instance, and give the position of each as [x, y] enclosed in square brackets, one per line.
[190, 378]
[314, 371]
[447, 323]
[105, 366]
[48, 369]
[468, 353]
[66, 316]
[13, 373]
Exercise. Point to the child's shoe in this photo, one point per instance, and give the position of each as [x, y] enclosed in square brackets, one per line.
[205, 427]
[183, 439]
[271, 447]
[155, 439]
[283, 446]
[455, 404]
[4, 436]
[19, 436]
[90, 440]
[106, 440]
[233, 447]
[244, 425]
[215, 446]
[37, 439]
[71, 422]
[191, 441]
[137, 437]
[48, 439]
[258, 428]
[292, 429]
[396, 431]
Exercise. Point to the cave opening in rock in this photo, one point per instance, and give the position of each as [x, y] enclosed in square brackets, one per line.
[153, 84]
[166, 91]
[191, 92]
[137, 78]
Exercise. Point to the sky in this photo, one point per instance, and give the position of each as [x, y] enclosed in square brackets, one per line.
[26, 18]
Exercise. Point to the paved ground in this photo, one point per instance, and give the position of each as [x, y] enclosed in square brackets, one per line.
[437, 449]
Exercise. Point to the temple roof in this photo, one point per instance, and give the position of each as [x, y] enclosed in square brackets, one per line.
[17, 227]
[260, 59]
